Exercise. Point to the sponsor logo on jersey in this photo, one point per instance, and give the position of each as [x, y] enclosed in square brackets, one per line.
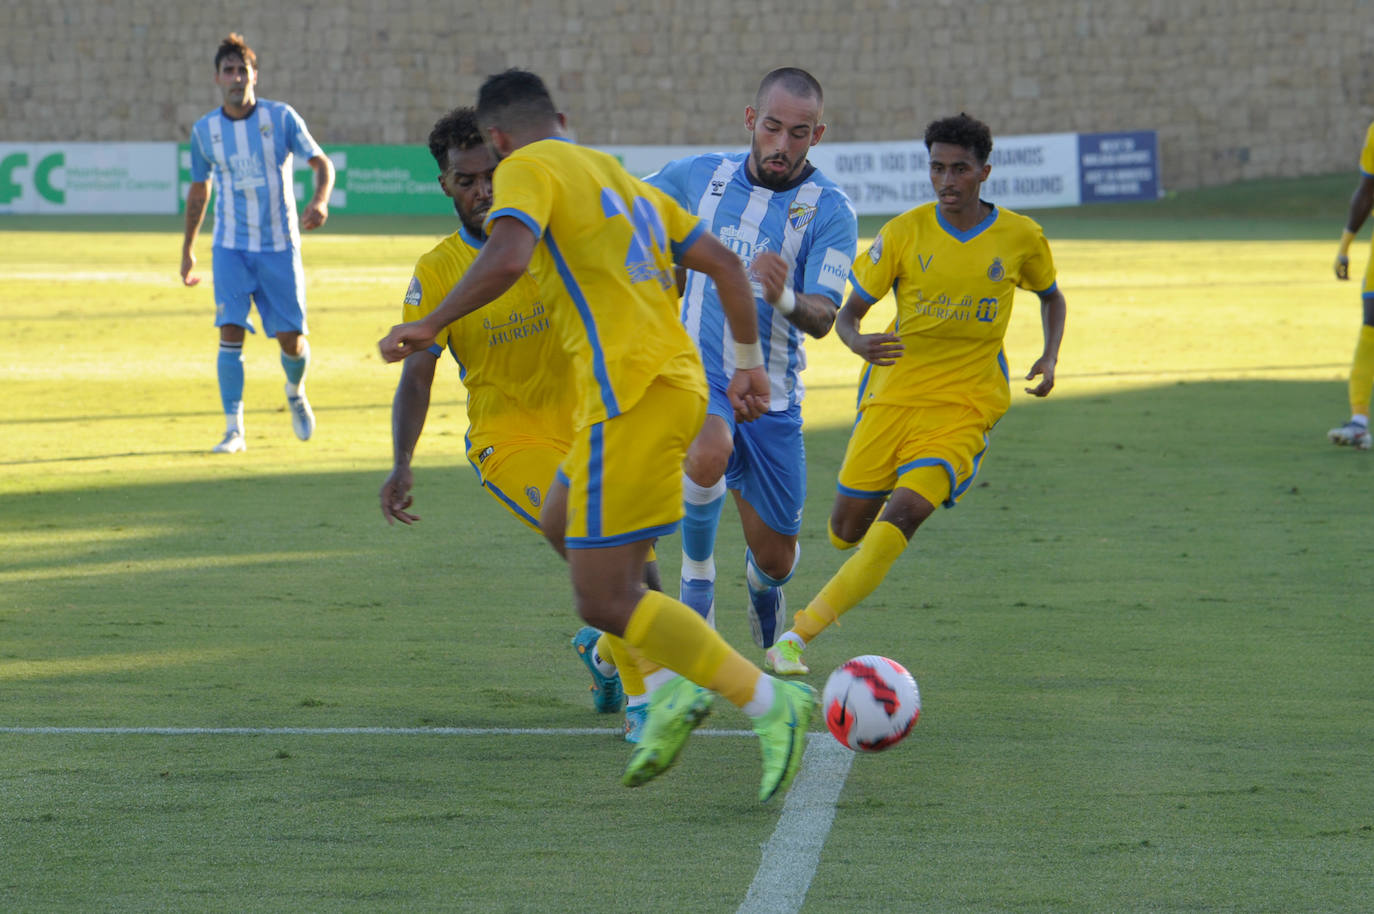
[834, 270]
[875, 250]
[413, 291]
[799, 215]
[717, 188]
[486, 452]
[996, 271]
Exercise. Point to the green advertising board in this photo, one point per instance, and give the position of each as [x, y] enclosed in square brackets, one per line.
[368, 179]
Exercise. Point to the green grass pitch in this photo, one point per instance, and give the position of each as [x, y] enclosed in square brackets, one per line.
[1143, 639]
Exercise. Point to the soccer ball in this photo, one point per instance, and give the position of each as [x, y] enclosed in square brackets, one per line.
[871, 703]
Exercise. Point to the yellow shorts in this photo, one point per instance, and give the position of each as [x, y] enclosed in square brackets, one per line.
[624, 475]
[518, 473]
[932, 450]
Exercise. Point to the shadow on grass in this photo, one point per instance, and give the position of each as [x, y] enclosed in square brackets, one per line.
[1206, 463]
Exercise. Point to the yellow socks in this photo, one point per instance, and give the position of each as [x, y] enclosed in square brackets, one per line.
[1362, 372]
[858, 577]
[671, 634]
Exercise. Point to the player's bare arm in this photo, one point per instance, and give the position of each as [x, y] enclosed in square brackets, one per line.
[504, 258]
[1360, 204]
[810, 313]
[1053, 309]
[408, 411]
[197, 196]
[877, 348]
[748, 390]
[317, 210]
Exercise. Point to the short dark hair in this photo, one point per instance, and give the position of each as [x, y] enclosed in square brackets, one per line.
[234, 46]
[795, 80]
[513, 99]
[961, 130]
[456, 130]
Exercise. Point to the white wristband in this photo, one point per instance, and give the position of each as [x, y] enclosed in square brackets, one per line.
[748, 355]
[786, 303]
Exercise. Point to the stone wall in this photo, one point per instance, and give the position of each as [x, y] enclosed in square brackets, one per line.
[1236, 88]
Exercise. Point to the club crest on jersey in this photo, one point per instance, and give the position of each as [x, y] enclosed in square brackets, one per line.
[799, 215]
[265, 130]
[996, 271]
[413, 291]
[875, 250]
[533, 495]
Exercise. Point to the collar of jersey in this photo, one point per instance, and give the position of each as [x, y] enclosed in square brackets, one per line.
[971, 233]
[470, 238]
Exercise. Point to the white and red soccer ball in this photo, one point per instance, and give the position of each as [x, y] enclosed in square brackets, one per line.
[871, 703]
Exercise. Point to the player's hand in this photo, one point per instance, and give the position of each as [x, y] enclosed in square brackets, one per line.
[749, 393]
[395, 496]
[314, 216]
[1342, 266]
[1045, 368]
[878, 348]
[405, 339]
[771, 271]
[188, 263]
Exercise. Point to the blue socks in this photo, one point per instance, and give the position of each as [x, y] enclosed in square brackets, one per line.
[229, 368]
[295, 369]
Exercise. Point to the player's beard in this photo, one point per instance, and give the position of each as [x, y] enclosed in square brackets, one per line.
[776, 180]
[472, 221]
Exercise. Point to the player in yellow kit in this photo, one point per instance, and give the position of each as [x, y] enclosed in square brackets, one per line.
[519, 408]
[1355, 432]
[602, 244]
[937, 380]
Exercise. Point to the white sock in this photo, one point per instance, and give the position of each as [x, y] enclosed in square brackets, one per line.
[758, 706]
[233, 422]
[1360, 419]
[604, 667]
[657, 678]
[692, 570]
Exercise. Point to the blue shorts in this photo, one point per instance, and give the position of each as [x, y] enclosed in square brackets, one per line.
[768, 464]
[274, 280]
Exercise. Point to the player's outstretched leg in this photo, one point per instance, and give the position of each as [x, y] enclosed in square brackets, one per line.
[607, 694]
[782, 735]
[676, 708]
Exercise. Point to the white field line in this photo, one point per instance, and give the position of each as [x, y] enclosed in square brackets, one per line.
[793, 852]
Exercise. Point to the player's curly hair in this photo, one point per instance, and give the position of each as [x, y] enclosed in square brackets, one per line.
[516, 99]
[234, 45]
[457, 129]
[961, 130]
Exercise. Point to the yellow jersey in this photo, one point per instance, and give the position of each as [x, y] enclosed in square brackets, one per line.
[954, 293]
[1367, 154]
[508, 355]
[604, 265]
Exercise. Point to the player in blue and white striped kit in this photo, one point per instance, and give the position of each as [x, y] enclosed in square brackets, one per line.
[248, 145]
[796, 233]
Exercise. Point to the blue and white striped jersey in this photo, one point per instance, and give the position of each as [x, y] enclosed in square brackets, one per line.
[813, 227]
[255, 202]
